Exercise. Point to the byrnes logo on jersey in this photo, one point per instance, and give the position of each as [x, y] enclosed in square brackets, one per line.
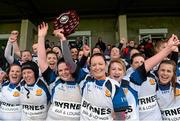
[172, 114]
[147, 103]
[65, 108]
[39, 92]
[107, 93]
[152, 81]
[95, 113]
[16, 94]
[33, 110]
[177, 92]
[6, 107]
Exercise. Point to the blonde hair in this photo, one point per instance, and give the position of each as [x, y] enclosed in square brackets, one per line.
[120, 61]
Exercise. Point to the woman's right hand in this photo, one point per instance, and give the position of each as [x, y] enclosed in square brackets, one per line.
[42, 29]
[59, 33]
[13, 36]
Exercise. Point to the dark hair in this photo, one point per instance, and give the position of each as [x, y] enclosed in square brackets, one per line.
[72, 47]
[33, 66]
[136, 55]
[26, 51]
[51, 52]
[97, 54]
[173, 80]
[97, 48]
[61, 60]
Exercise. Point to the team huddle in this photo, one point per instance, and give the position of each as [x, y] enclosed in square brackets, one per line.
[49, 87]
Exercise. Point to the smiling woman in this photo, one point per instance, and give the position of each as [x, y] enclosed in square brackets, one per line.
[168, 93]
[65, 92]
[35, 95]
[11, 95]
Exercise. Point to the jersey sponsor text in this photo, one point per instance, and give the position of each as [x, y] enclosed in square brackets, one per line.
[96, 113]
[147, 103]
[68, 109]
[172, 114]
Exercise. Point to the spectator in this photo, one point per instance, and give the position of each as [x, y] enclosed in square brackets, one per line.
[79, 43]
[101, 44]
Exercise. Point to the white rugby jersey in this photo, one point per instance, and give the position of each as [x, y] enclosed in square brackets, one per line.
[34, 100]
[132, 114]
[65, 101]
[99, 99]
[147, 99]
[148, 106]
[169, 104]
[65, 98]
[10, 102]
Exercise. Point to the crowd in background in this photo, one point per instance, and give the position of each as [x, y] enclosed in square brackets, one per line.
[125, 81]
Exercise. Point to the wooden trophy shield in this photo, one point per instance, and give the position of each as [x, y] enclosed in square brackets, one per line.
[68, 20]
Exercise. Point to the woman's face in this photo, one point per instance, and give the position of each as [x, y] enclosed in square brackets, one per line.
[116, 71]
[137, 61]
[26, 56]
[97, 67]
[161, 47]
[165, 73]
[15, 74]
[52, 60]
[96, 50]
[57, 51]
[80, 54]
[28, 76]
[115, 53]
[64, 72]
[74, 53]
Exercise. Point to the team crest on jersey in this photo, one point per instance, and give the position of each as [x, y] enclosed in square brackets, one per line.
[177, 92]
[107, 93]
[126, 91]
[16, 94]
[39, 92]
[152, 81]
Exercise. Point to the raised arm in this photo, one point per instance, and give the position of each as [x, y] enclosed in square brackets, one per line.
[9, 50]
[65, 49]
[174, 55]
[86, 52]
[16, 46]
[173, 42]
[42, 32]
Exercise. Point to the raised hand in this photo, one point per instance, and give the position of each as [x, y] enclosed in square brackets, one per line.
[86, 50]
[13, 36]
[173, 42]
[59, 33]
[2, 76]
[42, 29]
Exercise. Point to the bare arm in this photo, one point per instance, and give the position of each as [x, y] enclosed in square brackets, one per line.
[42, 32]
[154, 60]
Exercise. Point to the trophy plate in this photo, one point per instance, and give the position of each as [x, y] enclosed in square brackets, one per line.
[68, 20]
